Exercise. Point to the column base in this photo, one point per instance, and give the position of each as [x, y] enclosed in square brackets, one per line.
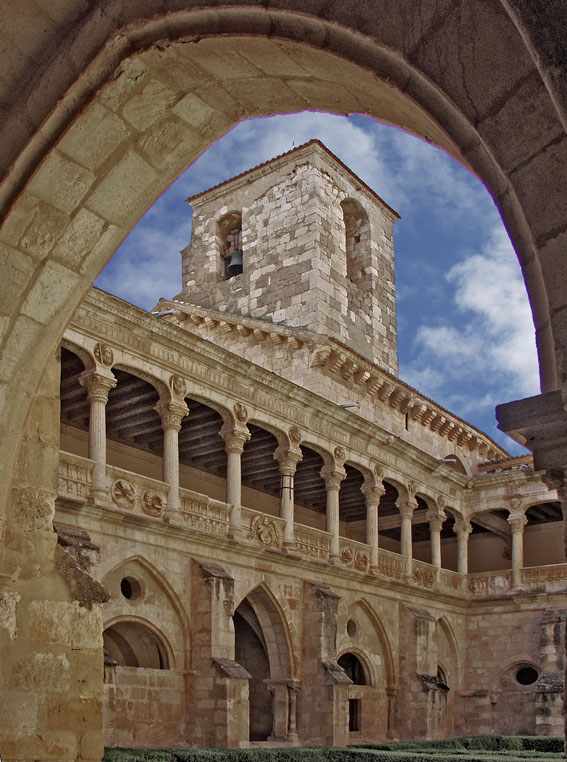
[99, 495]
[334, 559]
[289, 546]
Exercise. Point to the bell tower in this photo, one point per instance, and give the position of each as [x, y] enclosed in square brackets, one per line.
[298, 240]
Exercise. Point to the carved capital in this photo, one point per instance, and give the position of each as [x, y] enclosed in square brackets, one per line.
[372, 489]
[517, 522]
[171, 414]
[462, 527]
[288, 458]
[435, 523]
[333, 477]
[406, 508]
[98, 385]
[235, 437]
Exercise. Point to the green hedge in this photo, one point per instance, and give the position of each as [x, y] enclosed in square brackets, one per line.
[466, 749]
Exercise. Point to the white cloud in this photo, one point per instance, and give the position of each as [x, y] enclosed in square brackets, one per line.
[487, 354]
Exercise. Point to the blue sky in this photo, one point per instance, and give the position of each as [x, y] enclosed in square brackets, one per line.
[465, 331]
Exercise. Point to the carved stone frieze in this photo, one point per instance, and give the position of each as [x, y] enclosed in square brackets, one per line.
[263, 529]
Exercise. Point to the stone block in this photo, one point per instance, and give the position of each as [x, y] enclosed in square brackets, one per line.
[95, 137]
[61, 183]
[119, 193]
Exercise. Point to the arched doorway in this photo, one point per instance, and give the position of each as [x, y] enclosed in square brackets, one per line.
[355, 670]
[262, 648]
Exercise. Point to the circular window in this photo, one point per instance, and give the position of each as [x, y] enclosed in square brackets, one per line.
[130, 588]
[351, 628]
[527, 675]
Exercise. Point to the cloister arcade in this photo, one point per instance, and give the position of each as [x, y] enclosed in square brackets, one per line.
[267, 472]
[287, 522]
[83, 156]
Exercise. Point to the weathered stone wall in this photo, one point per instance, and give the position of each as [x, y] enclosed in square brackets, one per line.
[143, 707]
[50, 613]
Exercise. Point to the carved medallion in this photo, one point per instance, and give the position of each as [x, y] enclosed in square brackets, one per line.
[347, 556]
[294, 435]
[240, 412]
[123, 494]
[177, 385]
[263, 529]
[361, 560]
[340, 453]
[152, 503]
[103, 354]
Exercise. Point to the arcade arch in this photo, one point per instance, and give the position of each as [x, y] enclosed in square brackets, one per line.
[47, 277]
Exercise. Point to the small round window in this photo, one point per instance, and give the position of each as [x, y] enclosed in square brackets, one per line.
[351, 628]
[130, 588]
[527, 675]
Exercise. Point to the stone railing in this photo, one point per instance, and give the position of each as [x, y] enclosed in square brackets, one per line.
[262, 529]
[544, 578]
[74, 476]
[422, 574]
[391, 564]
[451, 581]
[203, 514]
[489, 584]
[354, 555]
[136, 493]
[143, 495]
[312, 543]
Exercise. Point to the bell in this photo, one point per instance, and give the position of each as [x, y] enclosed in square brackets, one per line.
[235, 266]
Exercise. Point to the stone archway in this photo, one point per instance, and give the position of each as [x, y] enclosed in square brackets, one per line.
[458, 80]
[262, 648]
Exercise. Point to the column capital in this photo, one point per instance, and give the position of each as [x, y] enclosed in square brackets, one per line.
[517, 522]
[372, 489]
[288, 458]
[333, 477]
[435, 523]
[98, 383]
[462, 527]
[171, 414]
[235, 437]
[406, 507]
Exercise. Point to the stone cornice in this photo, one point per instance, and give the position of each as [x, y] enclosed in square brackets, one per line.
[333, 358]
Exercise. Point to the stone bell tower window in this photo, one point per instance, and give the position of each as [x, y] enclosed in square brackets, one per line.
[230, 235]
[357, 240]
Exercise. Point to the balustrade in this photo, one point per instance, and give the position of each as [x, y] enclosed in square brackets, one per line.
[143, 495]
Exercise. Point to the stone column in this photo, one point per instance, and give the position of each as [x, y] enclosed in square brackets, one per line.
[98, 384]
[235, 437]
[171, 414]
[517, 523]
[288, 458]
[294, 689]
[406, 507]
[372, 489]
[435, 525]
[462, 529]
[333, 474]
